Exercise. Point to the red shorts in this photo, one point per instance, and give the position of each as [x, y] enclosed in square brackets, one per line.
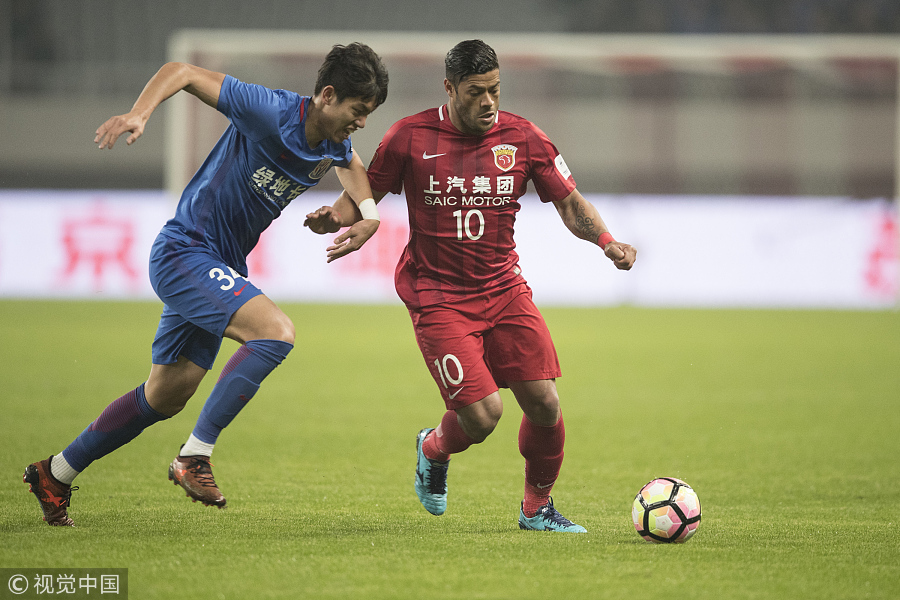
[474, 347]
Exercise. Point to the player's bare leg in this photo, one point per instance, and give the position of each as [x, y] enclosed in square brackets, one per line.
[169, 387]
[542, 437]
[260, 319]
[479, 420]
[267, 336]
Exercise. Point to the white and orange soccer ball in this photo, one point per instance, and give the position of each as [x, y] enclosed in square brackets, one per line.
[666, 510]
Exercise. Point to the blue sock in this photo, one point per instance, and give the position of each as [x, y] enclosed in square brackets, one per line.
[237, 384]
[119, 423]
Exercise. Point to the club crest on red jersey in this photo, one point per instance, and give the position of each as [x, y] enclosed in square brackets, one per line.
[504, 156]
[321, 169]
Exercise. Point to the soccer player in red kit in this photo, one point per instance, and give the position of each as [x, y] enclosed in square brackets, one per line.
[464, 167]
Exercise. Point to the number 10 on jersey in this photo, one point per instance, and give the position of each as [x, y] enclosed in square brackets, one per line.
[464, 224]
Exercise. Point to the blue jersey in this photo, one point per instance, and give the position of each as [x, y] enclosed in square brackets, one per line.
[257, 167]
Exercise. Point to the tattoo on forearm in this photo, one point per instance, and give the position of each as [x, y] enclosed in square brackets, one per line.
[584, 224]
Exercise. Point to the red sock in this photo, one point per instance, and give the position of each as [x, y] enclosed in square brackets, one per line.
[542, 448]
[449, 438]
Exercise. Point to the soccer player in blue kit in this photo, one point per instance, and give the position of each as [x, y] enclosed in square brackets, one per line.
[278, 145]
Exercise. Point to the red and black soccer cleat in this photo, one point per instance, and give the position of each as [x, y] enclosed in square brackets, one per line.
[55, 497]
[194, 475]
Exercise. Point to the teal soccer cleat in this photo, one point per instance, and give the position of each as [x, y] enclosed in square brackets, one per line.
[431, 478]
[548, 518]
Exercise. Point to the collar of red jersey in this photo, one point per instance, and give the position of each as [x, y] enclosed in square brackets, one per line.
[441, 114]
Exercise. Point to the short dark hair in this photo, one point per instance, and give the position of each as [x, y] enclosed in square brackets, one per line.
[354, 71]
[471, 57]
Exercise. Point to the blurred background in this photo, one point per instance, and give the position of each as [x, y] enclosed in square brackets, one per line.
[673, 101]
[66, 66]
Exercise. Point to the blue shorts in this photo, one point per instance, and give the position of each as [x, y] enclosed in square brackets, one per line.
[201, 293]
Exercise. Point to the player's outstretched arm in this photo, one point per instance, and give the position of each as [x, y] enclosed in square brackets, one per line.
[171, 78]
[343, 213]
[583, 220]
[354, 208]
[352, 239]
[356, 183]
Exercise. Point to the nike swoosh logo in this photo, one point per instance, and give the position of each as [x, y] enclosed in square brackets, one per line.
[426, 156]
[543, 486]
[453, 395]
[238, 293]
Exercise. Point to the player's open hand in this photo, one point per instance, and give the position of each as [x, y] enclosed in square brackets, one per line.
[107, 134]
[352, 239]
[323, 220]
[622, 255]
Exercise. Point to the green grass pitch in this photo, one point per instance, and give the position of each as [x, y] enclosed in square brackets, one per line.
[785, 423]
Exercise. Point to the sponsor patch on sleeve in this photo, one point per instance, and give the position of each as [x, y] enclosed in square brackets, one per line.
[562, 167]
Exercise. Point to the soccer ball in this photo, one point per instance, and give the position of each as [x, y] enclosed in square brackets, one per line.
[666, 510]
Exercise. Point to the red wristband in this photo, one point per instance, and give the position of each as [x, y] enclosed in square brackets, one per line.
[605, 238]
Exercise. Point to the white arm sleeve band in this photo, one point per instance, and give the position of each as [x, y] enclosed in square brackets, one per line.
[369, 210]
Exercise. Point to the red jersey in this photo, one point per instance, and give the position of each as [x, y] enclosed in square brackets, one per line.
[462, 193]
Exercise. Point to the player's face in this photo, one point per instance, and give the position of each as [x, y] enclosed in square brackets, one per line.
[474, 103]
[340, 119]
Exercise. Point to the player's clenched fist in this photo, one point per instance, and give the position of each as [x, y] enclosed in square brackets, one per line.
[622, 255]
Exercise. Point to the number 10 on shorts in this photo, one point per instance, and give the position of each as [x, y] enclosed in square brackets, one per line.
[444, 372]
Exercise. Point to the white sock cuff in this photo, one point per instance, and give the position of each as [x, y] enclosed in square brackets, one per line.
[62, 470]
[194, 447]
